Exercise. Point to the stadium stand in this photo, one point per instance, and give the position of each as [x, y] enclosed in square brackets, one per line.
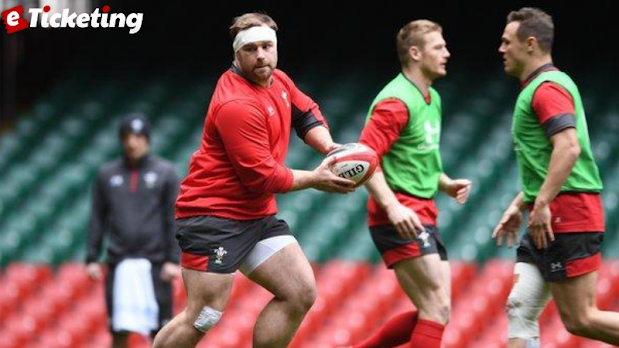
[49, 156]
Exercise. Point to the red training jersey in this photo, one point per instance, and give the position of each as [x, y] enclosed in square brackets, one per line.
[387, 121]
[571, 211]
[240, 163]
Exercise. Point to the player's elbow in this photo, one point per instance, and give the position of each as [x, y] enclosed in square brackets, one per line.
[258, 186]
[267, 184]
[573, 151]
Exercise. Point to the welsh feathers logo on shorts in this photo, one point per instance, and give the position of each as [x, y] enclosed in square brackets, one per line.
[219, 255]
[424, 237]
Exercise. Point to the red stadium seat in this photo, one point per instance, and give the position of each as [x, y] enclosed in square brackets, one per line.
[555, 335]
[60, 295]
[93, 311]
[16, 292]
[25, 327]
[549, 313]
[463, 326]
[346, 272]
[595, 344]
[28, 274]
[494, 336]
[74, 275]
[462, 274]
[75, 328]
[43, 312]
[100, 339]
[59, 338]
[10, 339]
[138, 341]
[10, 298]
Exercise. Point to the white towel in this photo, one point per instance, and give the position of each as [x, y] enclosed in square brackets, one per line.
[135, 306]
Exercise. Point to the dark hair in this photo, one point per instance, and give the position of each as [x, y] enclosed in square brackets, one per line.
[134, 123]
[534, 23]
[248, 20]
[412, 35]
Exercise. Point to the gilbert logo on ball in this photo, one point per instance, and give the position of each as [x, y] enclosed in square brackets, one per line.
[41, 17]
[354, 161]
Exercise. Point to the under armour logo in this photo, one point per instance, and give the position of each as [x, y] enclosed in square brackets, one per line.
[271, 110]
[556, 266]
[557, 220]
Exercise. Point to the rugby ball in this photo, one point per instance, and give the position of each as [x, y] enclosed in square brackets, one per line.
[354, 161]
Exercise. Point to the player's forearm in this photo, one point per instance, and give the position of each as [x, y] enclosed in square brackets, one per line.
[518, 202]
[562, 160]
[444, 182]
[320, 139]
[302, 179]
[94, 242]
[379, 190]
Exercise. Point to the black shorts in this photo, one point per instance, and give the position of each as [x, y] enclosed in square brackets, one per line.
[220, 245]
[394, 249]
[163, 295]
[570, 255]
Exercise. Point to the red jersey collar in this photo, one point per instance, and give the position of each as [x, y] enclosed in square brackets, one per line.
[536, 72]
[427, 98]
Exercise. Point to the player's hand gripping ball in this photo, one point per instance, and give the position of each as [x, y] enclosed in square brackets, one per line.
[354, 161]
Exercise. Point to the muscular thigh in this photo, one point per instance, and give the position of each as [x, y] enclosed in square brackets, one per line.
[286, 273]
[206, 289]
[394, 249]
[425, 279]
[575, 295]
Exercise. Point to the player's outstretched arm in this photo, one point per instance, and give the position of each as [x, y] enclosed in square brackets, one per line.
[459, 189]
[321, 178]
[320, 140]
[510, 222]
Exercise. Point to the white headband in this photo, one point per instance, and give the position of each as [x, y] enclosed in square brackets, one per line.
[254, 34]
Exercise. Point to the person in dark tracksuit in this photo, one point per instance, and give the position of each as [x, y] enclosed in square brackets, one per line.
[133, 210]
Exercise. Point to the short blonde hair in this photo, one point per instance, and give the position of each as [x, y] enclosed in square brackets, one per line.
[248, 20]
[412, 35]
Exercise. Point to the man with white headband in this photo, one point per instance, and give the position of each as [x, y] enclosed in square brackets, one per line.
[226, 207]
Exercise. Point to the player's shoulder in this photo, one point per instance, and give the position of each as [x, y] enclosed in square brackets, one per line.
[280, 74]
[282, 77]
[110, 168]
[161, 164]
[232, 89]
[238, 107]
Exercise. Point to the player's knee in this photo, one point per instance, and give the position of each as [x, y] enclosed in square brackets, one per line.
[522, 317]
[577, 327]
[577, 324]
[308, 297]
[304, 298]
[207, 318]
